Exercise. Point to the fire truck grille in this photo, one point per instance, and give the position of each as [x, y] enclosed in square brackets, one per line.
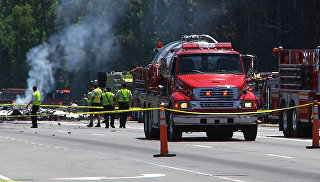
[216, 93]
[216, 104]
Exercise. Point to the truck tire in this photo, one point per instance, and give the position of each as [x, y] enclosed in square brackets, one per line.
[172, 131]
[147, 126]
[287, 123]
[250, 132]
[296, 126]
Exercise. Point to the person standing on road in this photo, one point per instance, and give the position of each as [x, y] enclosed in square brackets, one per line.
[35, 101]
[108, 104]
[96, 97]
[88, 99]
[89, 95]
[124, 98]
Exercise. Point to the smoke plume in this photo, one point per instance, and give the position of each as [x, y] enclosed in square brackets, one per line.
[82, 46]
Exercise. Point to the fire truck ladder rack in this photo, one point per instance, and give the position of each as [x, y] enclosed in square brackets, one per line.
[139, 85]
[199, 37]
[294, 76]
[117, 80]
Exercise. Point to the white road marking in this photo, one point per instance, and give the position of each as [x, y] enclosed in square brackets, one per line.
[203, 146]
[106, 178]
[195, 172]
[288, 139]
[281, 156]
[97, 134]
[5, 178]
[61, 131]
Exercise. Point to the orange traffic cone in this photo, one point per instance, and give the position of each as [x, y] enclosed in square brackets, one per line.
[163, 135]
[315, 133]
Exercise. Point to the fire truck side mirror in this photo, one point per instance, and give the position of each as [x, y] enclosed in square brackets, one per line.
[250, 64]
[164, 67]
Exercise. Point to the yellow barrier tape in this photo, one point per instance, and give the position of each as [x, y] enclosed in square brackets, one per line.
[83, 113]
[257, 112]
[98, 107]
[145, 109]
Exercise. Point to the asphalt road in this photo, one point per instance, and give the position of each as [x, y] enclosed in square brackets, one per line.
[69, 151]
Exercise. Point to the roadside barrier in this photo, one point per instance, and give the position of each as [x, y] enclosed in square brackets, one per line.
[163, 135]
[315, 127]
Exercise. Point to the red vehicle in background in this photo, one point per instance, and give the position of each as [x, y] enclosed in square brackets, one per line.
[298, 84]
[57, 97]
[199, 75]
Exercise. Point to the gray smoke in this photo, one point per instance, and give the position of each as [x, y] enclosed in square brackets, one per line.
[85, 41]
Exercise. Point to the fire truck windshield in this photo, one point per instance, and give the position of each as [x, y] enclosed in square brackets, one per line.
[210, 64]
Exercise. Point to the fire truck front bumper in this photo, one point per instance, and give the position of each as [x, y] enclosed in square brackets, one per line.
[191, 119]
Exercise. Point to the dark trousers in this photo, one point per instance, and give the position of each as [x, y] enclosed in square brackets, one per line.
[123, 115]
[34, 119]
[107, 115]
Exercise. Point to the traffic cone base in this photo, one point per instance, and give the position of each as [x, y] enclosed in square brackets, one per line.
[313, 147]
[164, 155]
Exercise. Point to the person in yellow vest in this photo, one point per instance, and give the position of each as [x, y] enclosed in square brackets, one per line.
[88, 99]
[124, 98]
[96, 102]
[35, 101]
[89, 96]
[108, 104]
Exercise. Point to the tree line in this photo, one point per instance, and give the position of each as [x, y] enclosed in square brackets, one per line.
[252, 26]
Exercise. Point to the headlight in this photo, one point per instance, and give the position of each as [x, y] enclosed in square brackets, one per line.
[183, 105]
[250, 104]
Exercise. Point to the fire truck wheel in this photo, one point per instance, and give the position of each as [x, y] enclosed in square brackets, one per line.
[296, 126]
[250, 132]
[173, 132]
[287, 123]
[147, 127]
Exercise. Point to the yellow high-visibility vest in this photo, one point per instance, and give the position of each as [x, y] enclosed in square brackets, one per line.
[108, 99]
[89, 97]
[97, 97]
[124, 95]
[37, 98]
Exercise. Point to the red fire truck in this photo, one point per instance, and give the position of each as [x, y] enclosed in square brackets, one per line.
[199, 75]
[298, 85]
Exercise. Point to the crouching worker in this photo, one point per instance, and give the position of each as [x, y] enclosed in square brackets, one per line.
[35, 101]
[108, 104]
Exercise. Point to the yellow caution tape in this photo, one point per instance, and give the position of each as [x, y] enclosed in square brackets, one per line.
[83, 113]
[145, 109]
[237, 113]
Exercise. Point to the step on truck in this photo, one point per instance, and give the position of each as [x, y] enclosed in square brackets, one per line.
[199, 75]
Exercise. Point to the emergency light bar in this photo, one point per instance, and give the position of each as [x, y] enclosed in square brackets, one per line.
[226, 45]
